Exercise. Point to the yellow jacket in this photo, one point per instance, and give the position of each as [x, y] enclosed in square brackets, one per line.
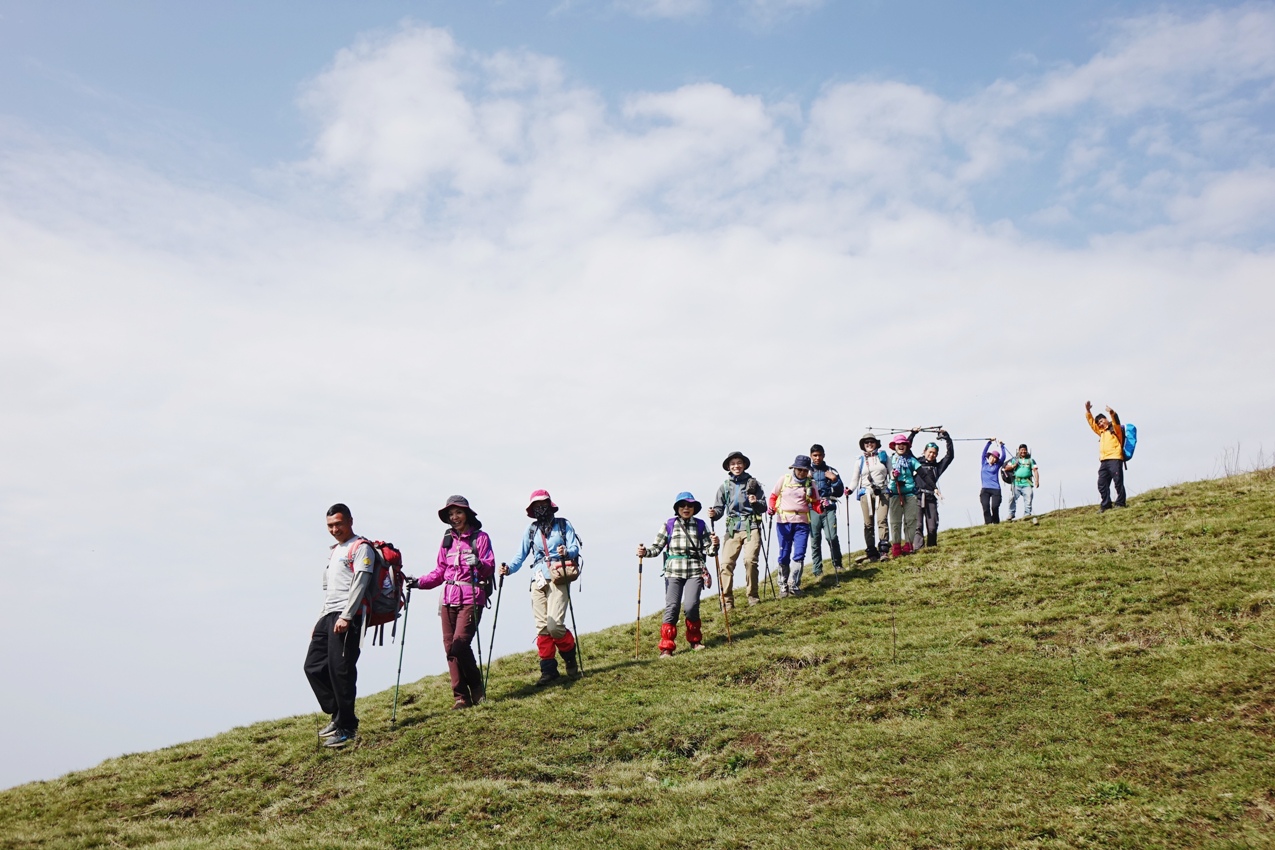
[1110, 440]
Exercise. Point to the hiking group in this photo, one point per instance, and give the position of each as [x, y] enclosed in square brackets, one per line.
[898, 493]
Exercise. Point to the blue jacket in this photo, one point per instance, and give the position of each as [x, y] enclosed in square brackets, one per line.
[829, 490]
[562, 533]
[992, 472]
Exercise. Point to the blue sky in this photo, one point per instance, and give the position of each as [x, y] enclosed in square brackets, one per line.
[258, 260]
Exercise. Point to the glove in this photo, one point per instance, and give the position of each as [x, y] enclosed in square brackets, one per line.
[409, 581]
[770, 511]
[471, 558]
[713, 514]
[824, 504]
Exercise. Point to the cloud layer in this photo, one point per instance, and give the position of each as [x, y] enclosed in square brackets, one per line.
[487, 276]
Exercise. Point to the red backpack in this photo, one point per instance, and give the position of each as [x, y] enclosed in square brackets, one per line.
[386, 594]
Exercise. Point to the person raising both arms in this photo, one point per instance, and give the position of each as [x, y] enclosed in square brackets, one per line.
[927, 488]
[1110, 456]
[990, 477]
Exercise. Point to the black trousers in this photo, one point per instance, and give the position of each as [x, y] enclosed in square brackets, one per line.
[927, 527]
[330, 667]
[1111, 472]
[991, 500]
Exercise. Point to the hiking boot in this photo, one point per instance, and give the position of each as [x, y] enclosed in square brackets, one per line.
[783, 590]
[548, 672]
[796, 591]
[907, 548]
[883, 548]
[573, 665]
[753, 600]
[816, 571]
[339, 738]
[1035, 521]
[698, 647]
[329, 730]
[896, 551]
[666, 653]
[459, 704]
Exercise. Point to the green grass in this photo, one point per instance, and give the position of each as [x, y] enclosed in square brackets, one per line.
[1093, 681]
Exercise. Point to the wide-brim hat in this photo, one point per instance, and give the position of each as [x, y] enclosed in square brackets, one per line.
[802, 462]
[900, 440]
[459, 502]
[687, 498]
[864, 439]
[540, 496]
[732, 456]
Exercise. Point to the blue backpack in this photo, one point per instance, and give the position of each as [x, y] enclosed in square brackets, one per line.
[1130, 441]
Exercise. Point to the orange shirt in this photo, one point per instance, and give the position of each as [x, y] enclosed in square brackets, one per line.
[1110, 440]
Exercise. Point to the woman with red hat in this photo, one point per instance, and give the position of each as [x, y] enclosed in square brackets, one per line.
[555, 563]
[465, 567]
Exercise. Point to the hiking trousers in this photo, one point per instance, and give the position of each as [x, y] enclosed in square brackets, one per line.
[549, 610]
[1111, 472]
[1024, 493]
[460, 622]
[928, 521]
[903, 513]
[991, 500]
[682, 593]
[793, 537]
[824, 526]
[871, 504]
[743, 542]
[330, 665]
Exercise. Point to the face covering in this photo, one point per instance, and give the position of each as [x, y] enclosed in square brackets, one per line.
[543, 513]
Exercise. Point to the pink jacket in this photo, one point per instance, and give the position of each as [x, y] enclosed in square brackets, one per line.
[793, 500]
[457, 577]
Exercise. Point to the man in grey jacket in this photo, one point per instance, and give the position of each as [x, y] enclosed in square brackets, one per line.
[330, 663]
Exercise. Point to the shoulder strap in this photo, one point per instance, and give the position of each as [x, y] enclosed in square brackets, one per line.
[668, 528]
[349, 553]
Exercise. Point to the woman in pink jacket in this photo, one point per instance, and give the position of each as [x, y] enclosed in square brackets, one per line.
[465, 569]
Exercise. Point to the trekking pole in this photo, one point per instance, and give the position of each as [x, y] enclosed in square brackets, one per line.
[407, 606]
[473, 618]
[770, 580]
[495, 618]
[847, 550]
[579, 652]
[637, 626]
[721, 593]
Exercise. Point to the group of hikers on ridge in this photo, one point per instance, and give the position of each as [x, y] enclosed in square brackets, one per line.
[898, 495]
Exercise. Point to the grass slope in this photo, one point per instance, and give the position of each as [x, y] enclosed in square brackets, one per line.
[1097, 680]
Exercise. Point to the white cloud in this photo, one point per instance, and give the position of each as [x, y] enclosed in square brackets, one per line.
[543, 288]
[665, 8]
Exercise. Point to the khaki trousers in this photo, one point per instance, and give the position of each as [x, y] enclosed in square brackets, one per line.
[882, 511]
[549, 609]
[749, 543]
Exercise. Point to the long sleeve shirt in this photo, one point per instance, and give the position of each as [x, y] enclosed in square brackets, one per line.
[689, 547]
[793, 499]
[871, 473]
[927, 476]
[459, 578]
[347, 577]
[991, 472]
[902, 475]
[830, 490]
[543, 549]
[1110, 439]
[732, 503]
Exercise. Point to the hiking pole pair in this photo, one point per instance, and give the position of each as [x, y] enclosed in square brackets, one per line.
[721, 591]
[407, 606]
[770, 581]
[637, 626]
[495, 618]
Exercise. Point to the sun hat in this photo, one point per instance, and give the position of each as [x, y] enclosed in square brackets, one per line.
[539, 496]
[865, 438]
[898, 439]
[459, 502]
[732, 456]
[802, 462]
[686, 497]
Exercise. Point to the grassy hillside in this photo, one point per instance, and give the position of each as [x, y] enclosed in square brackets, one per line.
[1096, 680]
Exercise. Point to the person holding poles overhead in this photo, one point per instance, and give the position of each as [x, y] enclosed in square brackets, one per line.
[555, 563]
[685, 570]
[927, 488]
[742, 502]
[464, 566]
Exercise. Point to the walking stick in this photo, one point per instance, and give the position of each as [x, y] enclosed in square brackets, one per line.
[579, 652]
[637, 626]
[495, 618]
[721, 592]
[770, 581]
[407, 606]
